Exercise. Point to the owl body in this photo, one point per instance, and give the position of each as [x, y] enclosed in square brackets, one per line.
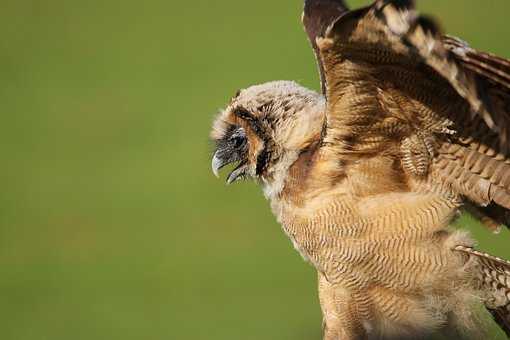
[391, 253]
[367, 176]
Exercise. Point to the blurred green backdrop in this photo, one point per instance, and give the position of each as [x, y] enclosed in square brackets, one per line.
[111, 224]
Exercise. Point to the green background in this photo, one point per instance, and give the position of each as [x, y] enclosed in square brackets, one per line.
[111, 223]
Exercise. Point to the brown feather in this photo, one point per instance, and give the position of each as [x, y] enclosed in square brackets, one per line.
[492, 74]
[396, 89]
[317, 16]
[493, 276]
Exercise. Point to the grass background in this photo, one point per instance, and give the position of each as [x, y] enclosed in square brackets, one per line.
[111, 224]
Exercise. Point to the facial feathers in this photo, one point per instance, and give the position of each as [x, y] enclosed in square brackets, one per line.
[280, 120]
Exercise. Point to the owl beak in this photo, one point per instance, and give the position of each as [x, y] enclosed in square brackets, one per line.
[219, 162]
[237, 173]
[233, 148]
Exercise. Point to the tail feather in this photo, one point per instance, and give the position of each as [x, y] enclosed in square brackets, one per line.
[494, 280]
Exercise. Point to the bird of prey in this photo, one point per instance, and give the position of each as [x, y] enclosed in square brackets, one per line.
[367, 176]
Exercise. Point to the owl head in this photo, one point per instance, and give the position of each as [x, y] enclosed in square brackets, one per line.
[264, 129]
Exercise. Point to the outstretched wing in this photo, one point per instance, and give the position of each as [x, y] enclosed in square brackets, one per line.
[411, 110]
[317, 16]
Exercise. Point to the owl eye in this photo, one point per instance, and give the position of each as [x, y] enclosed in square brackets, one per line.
[238, 138]
[237, 141]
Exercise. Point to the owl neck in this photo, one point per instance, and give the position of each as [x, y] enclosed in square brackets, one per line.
[275, 181]
[291, 184]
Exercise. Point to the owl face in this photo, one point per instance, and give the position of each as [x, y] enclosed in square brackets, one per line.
[232, 147]
[242, 136]
[264, 128]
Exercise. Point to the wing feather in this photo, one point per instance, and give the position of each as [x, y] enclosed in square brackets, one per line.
[398, 89]
[493, 275]
[486, 65]
[317, 16]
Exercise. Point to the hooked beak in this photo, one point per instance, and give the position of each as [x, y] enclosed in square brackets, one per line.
[216, 164]
[238, 173]
[219, 162]
[232, 149]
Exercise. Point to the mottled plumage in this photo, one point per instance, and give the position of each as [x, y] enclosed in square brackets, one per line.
[366, 177]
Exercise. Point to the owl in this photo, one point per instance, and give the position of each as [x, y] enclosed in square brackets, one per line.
[366, 177]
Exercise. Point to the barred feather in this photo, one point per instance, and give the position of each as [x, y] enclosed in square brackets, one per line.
[386, 62]
[493, 274]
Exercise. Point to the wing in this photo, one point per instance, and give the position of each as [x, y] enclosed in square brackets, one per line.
[493, 276]
[317, 16]
[411, 110]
